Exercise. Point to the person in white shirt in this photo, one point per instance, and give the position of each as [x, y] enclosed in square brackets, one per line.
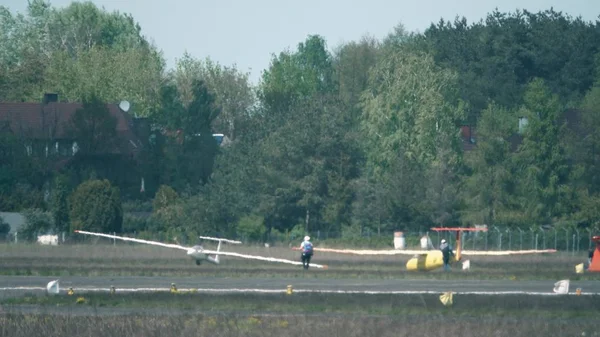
[307, 251]
[446, 253]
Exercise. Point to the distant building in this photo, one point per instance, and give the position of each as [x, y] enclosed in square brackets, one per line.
[43, 127]
[221, 139]
[43, 130]
[16, 221]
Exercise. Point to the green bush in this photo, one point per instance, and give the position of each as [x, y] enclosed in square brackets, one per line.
[251, 228]
[164, 197]
[277, 236]
[4, 227]
[96, 207]
[132, 223]
[297, 233]
[59, 203]
[37, 222]
[374, 242]
[137, 206]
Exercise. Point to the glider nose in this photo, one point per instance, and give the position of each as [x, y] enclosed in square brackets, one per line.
[195, 252]
[192, 252]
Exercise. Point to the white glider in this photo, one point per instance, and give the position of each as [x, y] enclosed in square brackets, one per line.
[418, 252]
[199, 254]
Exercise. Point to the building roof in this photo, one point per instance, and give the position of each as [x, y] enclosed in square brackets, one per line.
[50, 122]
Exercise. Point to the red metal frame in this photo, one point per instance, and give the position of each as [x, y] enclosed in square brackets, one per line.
[595, 265]
[458, 230]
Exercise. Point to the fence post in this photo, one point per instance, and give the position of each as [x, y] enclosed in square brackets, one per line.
[509, 238]
[555, 239]
[499, 237]
[543, 237]
[532, 237]
[567, 239]
[521, 237]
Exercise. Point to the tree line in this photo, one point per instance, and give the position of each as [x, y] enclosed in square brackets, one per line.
[490, 122]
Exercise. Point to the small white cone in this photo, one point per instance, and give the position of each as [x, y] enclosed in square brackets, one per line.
[466, 265]
[561, 287]
[53, 287]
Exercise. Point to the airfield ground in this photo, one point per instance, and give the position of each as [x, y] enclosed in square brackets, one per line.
[89, 312]
[127, 259]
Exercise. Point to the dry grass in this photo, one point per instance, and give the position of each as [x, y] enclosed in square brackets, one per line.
[288, 326]
[134, 259]
[470, 305]
[331, 315]
[195, 314]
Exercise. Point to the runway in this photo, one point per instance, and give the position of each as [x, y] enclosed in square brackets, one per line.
[11, 286]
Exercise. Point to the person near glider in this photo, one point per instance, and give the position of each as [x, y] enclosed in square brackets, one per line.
[307, 251]
[446, 253]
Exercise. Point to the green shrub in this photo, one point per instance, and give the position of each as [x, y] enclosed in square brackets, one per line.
[96, 207]
[374, 242]
[137, 206]
[297, 232]
[251, 228]
[4, 227]
[37, 222]
[132, 223]
[164, 197]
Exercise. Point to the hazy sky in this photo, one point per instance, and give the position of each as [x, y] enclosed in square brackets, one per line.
[247, 32]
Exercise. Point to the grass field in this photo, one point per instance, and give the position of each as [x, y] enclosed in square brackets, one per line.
[303, 314]
[288, 326]
[140, 260]
[464, 305]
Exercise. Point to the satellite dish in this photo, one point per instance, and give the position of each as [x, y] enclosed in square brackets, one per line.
[124, 105]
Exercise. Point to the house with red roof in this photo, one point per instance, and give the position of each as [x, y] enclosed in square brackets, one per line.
[43, 130]
[43, 127]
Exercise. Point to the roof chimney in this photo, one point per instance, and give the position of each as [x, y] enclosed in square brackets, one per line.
[50, 97]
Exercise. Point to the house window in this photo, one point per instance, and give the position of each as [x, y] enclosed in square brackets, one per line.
[75, 148]
[64, 149]
[522, 124]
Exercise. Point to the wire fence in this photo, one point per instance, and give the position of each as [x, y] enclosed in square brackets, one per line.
[495, 238]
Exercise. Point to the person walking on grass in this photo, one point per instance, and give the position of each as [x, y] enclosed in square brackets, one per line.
[307, 251]
[446, 253]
